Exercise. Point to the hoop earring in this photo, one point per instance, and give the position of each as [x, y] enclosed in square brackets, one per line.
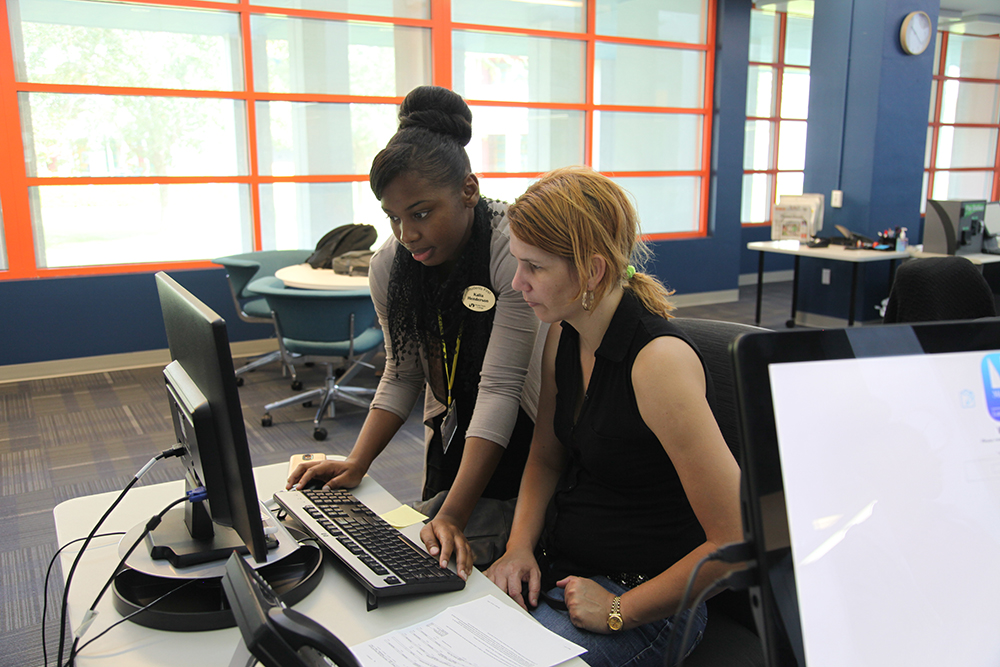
[588, 300]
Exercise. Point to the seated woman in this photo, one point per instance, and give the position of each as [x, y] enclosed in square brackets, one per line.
[629, 482]
[453, 324]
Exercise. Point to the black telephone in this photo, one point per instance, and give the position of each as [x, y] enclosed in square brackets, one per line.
[273, 634]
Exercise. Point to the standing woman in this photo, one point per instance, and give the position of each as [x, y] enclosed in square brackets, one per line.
[627, 456]
[453, 324]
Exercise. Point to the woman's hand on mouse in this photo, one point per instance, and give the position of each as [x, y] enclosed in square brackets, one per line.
[345, 474]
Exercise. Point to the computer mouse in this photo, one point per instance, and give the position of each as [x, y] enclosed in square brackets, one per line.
[314, 483]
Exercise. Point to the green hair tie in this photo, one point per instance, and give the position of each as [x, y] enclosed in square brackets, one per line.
[629, 272]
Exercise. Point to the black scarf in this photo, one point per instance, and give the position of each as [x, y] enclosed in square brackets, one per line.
[418, 294]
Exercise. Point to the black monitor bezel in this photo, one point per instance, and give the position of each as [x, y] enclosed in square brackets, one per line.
[765, 521]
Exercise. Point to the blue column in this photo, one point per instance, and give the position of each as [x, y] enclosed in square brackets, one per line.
[868, 110]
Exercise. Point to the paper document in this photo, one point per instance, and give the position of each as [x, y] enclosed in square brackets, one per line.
[481, 633]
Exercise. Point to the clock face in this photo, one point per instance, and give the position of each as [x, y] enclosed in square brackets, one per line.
[916, 34]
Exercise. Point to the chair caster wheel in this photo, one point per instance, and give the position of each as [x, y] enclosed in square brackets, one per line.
[319, 434]
[790, 324]
[239, 381]
[307, 404]
[266, 420]
[296, 385]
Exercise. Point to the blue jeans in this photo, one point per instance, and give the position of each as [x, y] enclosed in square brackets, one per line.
[638, 647]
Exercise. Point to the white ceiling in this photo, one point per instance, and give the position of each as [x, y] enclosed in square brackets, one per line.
[977, 17]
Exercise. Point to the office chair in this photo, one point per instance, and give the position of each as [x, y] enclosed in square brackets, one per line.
[730, 638]
[240, 271]
[928, 289]
[333, 327]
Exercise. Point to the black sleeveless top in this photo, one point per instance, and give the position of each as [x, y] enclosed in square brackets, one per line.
[619, 506]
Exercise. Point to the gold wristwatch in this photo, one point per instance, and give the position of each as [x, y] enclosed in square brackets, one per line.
[615, 617]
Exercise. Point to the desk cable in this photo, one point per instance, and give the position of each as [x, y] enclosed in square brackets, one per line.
[167, 453]
[736, 552]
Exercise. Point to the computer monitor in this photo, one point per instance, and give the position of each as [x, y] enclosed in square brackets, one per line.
[208, 422]
[871, 473]
[797, 217]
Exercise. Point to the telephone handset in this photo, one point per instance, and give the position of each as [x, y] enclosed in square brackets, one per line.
[273, 634]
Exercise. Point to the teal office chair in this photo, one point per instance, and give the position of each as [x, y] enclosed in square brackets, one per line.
[240, 271]
[334, 327]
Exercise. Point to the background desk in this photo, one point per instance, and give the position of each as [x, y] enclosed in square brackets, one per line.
[338, 602]
[305, 276]
[835, 252]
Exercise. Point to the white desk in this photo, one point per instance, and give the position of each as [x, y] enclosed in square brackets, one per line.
[305, 276]
[837, 253]
[337, 603]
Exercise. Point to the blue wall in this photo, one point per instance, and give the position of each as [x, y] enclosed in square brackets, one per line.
[66, 318]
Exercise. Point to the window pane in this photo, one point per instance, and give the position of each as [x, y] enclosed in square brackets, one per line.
[517, 69]
[760, 91]
[930, 110]
[795, 94]
[313, 138]
[757, 142]
[798, 40]
[504, 189]
[89, 225]
[112, 44]
[560, 16]
[927, 148]
[674, 21]
[411, 9]
[763, 37]
[131, 135]
[666, 204]
[297, 215]
[972, 57]
[966, 147]
[789, 183]
[338, 57]
[964, 102]
[757, 199]
[524, 140]
[646, 142]
[963, 185]
[648, 76]
[923, 195]
[792, 145]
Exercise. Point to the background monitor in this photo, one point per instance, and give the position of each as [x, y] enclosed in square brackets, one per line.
[797, 217]
[871, 466]
[208, 421]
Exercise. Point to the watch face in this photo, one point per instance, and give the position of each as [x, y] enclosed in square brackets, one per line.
[916, 33]
[615, 622]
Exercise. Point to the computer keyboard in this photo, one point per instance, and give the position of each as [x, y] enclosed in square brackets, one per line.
[383, 560]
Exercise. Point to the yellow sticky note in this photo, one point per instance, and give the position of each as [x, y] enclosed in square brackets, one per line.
[403, 516]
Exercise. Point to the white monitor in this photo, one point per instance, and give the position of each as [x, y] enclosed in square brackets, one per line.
[797, 217]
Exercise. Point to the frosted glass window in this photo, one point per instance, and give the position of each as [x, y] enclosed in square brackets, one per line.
[968, 102]
[757, 145]
[963, 185]
[972, 57]
[297, 215]
[930, 110]
[798, 40]
[118, 44]
[795, 94]
[91, 225]
[411, 9]
[756, 202]
[648, 76]
[513, 68]
[763, 37]
[966, 147]
[788, 183]
[294, 55]
[792, 145]
[313, 138]
[504, 189]
[558, 16]
[506, 139]
[647, 142]
[665, 205]
[69, 135]
[760, 91]
[675, 21]
[927, 148]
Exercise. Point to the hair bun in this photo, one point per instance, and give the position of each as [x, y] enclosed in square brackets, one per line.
[438, 110]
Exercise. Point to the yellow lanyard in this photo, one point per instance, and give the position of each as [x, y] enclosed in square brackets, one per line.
[450, 377]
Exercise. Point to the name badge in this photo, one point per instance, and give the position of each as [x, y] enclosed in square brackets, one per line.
[478, 299]
[448, 427]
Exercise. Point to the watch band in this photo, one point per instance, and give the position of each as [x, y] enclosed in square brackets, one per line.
[615, 621]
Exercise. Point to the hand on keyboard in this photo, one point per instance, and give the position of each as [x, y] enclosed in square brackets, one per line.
[336, 474]
[443, 538]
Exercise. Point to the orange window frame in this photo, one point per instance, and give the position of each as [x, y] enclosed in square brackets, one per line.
[14, 181]
[935, 124]
[779, 67]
